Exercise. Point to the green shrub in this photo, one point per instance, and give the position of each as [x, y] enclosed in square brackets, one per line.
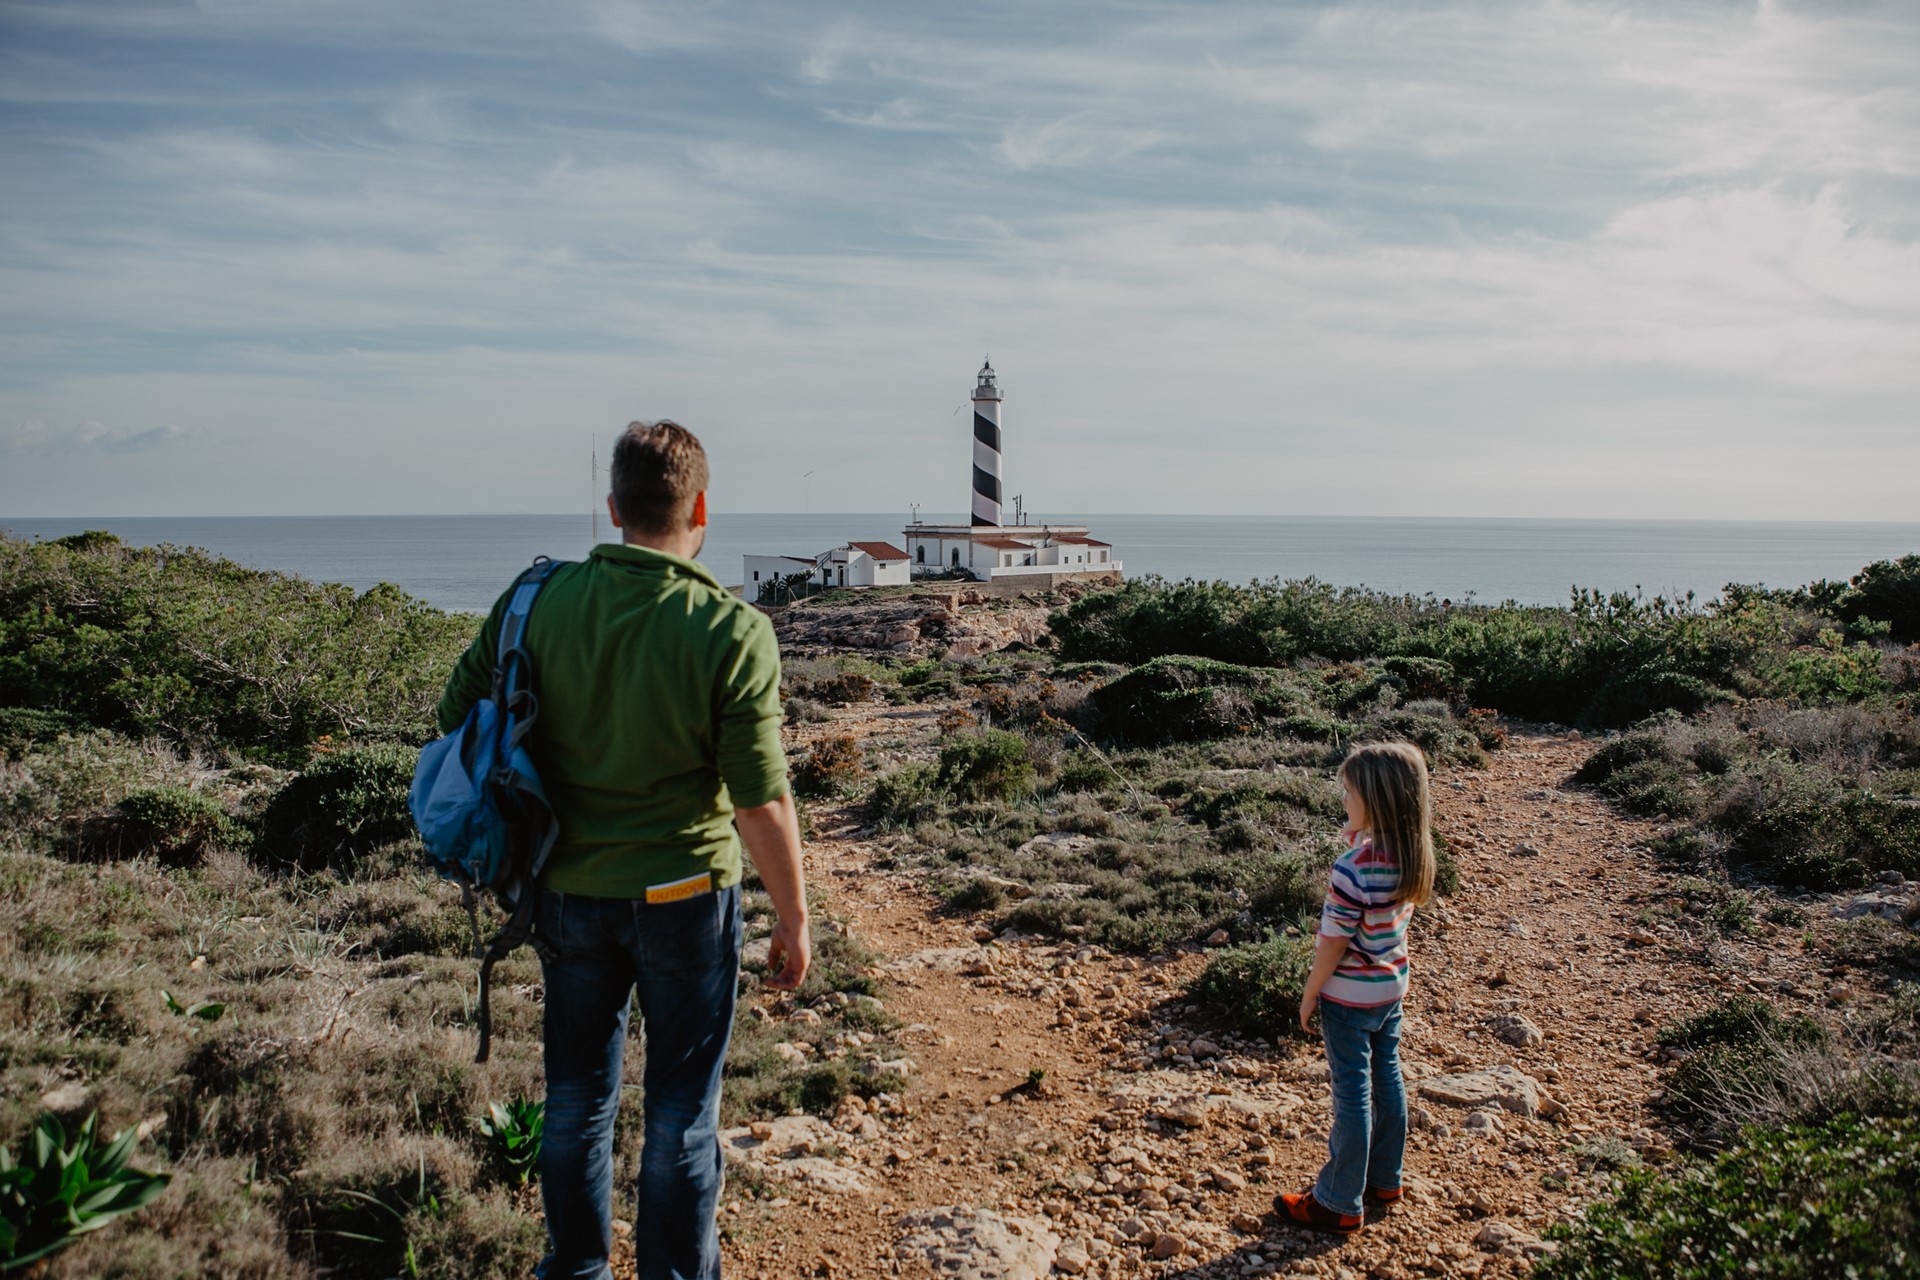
[179, 644]
[1261, 624]
[907, 795]
[25, 727]
[1886, 591]
[1082, 771]
[345, 805]
[1258, 985]
[1743, 1058]
[174, 823]
[1800, 1203]
[1183, 699]
[990, 765]
[1740, 1020]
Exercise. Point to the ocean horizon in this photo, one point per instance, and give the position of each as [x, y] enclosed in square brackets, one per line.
[463, 562]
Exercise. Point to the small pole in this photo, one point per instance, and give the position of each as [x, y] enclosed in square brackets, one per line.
[593, 490]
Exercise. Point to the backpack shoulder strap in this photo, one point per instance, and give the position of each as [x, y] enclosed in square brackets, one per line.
[509, 657]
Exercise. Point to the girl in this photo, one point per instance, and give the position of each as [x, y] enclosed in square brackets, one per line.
[1359, 976]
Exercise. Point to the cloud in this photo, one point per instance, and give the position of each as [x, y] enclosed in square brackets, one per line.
[1479, 237]
[90, 437]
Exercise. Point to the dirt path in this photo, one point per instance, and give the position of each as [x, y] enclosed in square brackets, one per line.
[1152, 1132]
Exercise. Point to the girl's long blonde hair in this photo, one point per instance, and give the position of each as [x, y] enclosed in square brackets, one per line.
[1391, 780]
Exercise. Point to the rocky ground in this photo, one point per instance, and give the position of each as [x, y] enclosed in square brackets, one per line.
[1071, 1114]
[961, 623]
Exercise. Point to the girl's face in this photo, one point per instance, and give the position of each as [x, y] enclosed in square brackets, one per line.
[1356, 808]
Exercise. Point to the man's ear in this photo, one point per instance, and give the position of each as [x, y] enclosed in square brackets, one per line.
[699, 518]
[613, 512]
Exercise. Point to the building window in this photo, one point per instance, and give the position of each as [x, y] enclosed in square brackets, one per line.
[920, 553]
[1029, 560]
[756, 575]
[956, 557]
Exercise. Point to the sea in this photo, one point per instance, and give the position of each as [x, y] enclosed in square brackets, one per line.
[463, 562]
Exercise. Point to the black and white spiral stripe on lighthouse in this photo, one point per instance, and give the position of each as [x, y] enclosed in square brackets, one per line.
[986, 449]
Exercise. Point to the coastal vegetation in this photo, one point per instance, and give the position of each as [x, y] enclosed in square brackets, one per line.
[219, 937]
[218, 940]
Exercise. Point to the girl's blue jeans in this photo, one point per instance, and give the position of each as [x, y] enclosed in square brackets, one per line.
[1369, 1136]
[683, 958]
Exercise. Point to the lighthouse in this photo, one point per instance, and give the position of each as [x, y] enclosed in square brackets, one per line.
[986, 449]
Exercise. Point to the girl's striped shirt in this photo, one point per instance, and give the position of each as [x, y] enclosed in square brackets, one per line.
[1374, 969]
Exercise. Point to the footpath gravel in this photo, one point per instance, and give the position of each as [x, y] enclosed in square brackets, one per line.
[1070, 1114]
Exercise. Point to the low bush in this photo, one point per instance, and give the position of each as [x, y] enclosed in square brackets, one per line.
[25, 727]
[906, 796]
[985, 766]
[1182, 699]
[179, 644]
[345, 805]
[832, 766]
[1257, 985]
[1887, 592]
[1806, 1202]
[173, 823]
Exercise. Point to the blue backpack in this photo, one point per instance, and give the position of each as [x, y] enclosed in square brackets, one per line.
[478, 802]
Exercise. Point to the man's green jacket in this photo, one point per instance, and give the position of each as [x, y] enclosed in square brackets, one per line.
[659, 713]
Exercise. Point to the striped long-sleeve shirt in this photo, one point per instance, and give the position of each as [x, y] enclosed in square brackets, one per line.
[1374, 969]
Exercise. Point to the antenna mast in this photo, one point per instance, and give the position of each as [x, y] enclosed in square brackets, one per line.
[593, 491]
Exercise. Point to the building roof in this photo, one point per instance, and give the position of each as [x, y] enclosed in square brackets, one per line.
[806, 560]
[1082, 542]
[1005, 544]
[880, 550]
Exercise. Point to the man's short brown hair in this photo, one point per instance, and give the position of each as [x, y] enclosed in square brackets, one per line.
[658, 470]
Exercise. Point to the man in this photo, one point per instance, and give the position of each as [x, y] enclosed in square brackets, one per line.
[658, 736]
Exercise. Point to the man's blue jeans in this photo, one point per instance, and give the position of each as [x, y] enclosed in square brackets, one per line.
[1369, 1136]
[684, 959]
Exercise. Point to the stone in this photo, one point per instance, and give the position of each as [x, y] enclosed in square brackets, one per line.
[1249, 1223]
[1055, 842]
[978, 1244]
[66, 1099]
[1501, 1086]
[1888, 903]
[1524, 850]
[1219, 938]
[1515, 1029]
[1072, 1258]
[1228, 1180]
[1510, 1241]
[1190, 1113]
[1167, 1245]
[788, 1051]
[1480, 1124]
[1204, 1048]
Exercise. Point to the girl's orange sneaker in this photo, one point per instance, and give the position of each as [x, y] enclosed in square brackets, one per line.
[1302, 1208]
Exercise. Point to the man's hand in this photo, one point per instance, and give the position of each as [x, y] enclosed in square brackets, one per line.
[771, 833]
[789, 952]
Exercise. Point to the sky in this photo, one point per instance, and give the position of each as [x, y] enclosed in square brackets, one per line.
[1452, 257]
